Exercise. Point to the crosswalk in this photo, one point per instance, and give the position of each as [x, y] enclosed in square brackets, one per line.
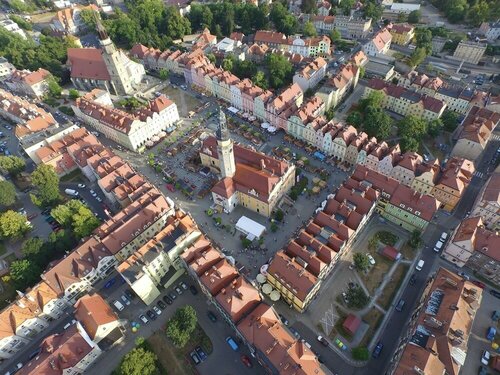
[479, 174]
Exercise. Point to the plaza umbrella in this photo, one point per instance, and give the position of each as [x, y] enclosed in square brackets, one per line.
[267, 288]
[275, 295]
[261, 279]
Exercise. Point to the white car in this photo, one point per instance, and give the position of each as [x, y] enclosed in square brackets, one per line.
[485, 358]
[156, 310]
[99, 199]
[82, 186]
[370, 259]
[93, 193]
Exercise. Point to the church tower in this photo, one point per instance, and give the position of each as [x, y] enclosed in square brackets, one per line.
[120, 78]
[225, 148]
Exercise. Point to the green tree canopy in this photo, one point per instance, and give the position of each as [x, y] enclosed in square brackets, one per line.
[373, 10]
[309, 7]
[361, 261]
[355, 119]
[77, 216]
[46, 180]
[259, 79]
[414, 16]
[24, 273]
[12, 165]
[309, 29]
[335, 36]
[377, 123]
[139, 361]
[280, 70]
[13, 224]
[284, 21]
[450, 120]
[21, 22]
[417, 57]
[181, 325]
[73, 94]
[55, 89]
[412, 127]
[32, 250]
[346, 6]
[7, 193]
[435, 127]
[408, 144]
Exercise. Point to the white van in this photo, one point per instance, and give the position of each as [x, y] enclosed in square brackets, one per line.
[71, 192]
[444, 236]
[118, 305]
[420, 265]
[438, 246]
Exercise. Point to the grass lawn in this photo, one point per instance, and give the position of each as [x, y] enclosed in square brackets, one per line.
[376, 274]
[76, 175]
[177, 361]
[392, 286]
[373, 318]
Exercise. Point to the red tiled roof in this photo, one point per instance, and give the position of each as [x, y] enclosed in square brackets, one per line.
[87, 63]
[92, 311]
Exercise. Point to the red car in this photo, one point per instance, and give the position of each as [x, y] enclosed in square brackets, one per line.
[32, 216]
[170, 187]
[478, 283]
[246, 361]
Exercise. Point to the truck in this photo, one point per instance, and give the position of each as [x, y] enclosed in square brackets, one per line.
[71, 192]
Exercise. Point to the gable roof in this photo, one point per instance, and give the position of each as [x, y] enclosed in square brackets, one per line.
[92, 311]
[87, 63]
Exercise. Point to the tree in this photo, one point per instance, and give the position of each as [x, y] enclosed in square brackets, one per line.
[54, 89]
[480, 12]
[309, 29]
[361, 261]
[244, 69]
[175, 26]
[417, 57]
[416, 239]
[139, 361]
[346, 6]
[279, 215]
[46, 180]
[284, 21]
[73, 94]
[24, 273]
[88, 18]
[434, 127]
[211, 57]
[13, 165]
[228, 63]
[32, 250]
[21, 22]
[423, 39]
[362, 72]
[280, 70]
[357, 297]
[414, 16]
[7, 193]
[181, 326]
[164, 73]
[335, 36]
[412, 127]
[309, 7]
[450, 120]
[374, 99]
[373, 10]
[377, 123]
[409, 144]
[330, 113]
[75, 215]
[13, 225]
[259, 79]
[355, 118]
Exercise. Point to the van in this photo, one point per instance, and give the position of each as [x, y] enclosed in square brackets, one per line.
[420, 265]
[444, 236]
[118, 305]
[490, 333]
[400, 306]
[230, 341]
[71, 192]
[438, 246]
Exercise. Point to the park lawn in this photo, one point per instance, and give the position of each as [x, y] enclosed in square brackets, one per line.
[392, 287]
[373, 278]
[177, 361]
[373, 318]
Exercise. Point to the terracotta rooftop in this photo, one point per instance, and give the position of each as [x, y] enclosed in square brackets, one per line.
[286, 354]
[457, 174]
[439, 340]
[92, 311]
[401, 28]
[269, 37]
[313, 67]
[479, 124]
[238, 298]
[201, 256]
[87, 63]
[381, 39]
[29, 77]
[60, 353]
[483, 240]
[218, 276]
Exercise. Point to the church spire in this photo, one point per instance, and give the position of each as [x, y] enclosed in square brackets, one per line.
[101, 31]
[222, 132]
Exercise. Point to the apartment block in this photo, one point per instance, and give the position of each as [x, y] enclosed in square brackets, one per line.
[475, 133]
[298, 270]
[426, 177]
[487, 204]
[438, 332]
[311, 74]
[476, 247]
[350, 27]
[338, 87]
[307, 47]
[156, 263]
[70, 21]
[132, 130]
[25, 82]
[402, 33]
[379, 44]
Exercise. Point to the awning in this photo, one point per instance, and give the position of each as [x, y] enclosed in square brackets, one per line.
[233, 110]
[252, 118]
[245, 115]
[267, 288]
[250, 227]
[162, 134]
[265, 125]
[155, 138]
[149, 143]
[275, 295]
[263, 269]
[261, 279]
[271, 129]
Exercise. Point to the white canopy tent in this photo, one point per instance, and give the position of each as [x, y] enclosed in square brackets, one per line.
[251, 228]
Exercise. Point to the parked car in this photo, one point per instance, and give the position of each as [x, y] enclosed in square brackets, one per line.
[201, 353]
[211, 316]
[167, 300]
[323, 341]
[193, 290]
[377, 350]
[82, 186]
[183, 285]
[151, 315]
[340, 344]
[161, 305]
[143, 319]
[178, 290]
[230, 341]
[194, 357]
[495, 315]
[246, 361]
[118, 305]
[295, 332]
[156, 310]
[93, 193]
[172, 295]
[491, 333]
[283, 319]
[125, 300]
[370, 259]
[478, 284]
[401, 304]
[485, 358]
[128, 294]
[413, 279]
[483, 371]
[110, 283]
[494, 293]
